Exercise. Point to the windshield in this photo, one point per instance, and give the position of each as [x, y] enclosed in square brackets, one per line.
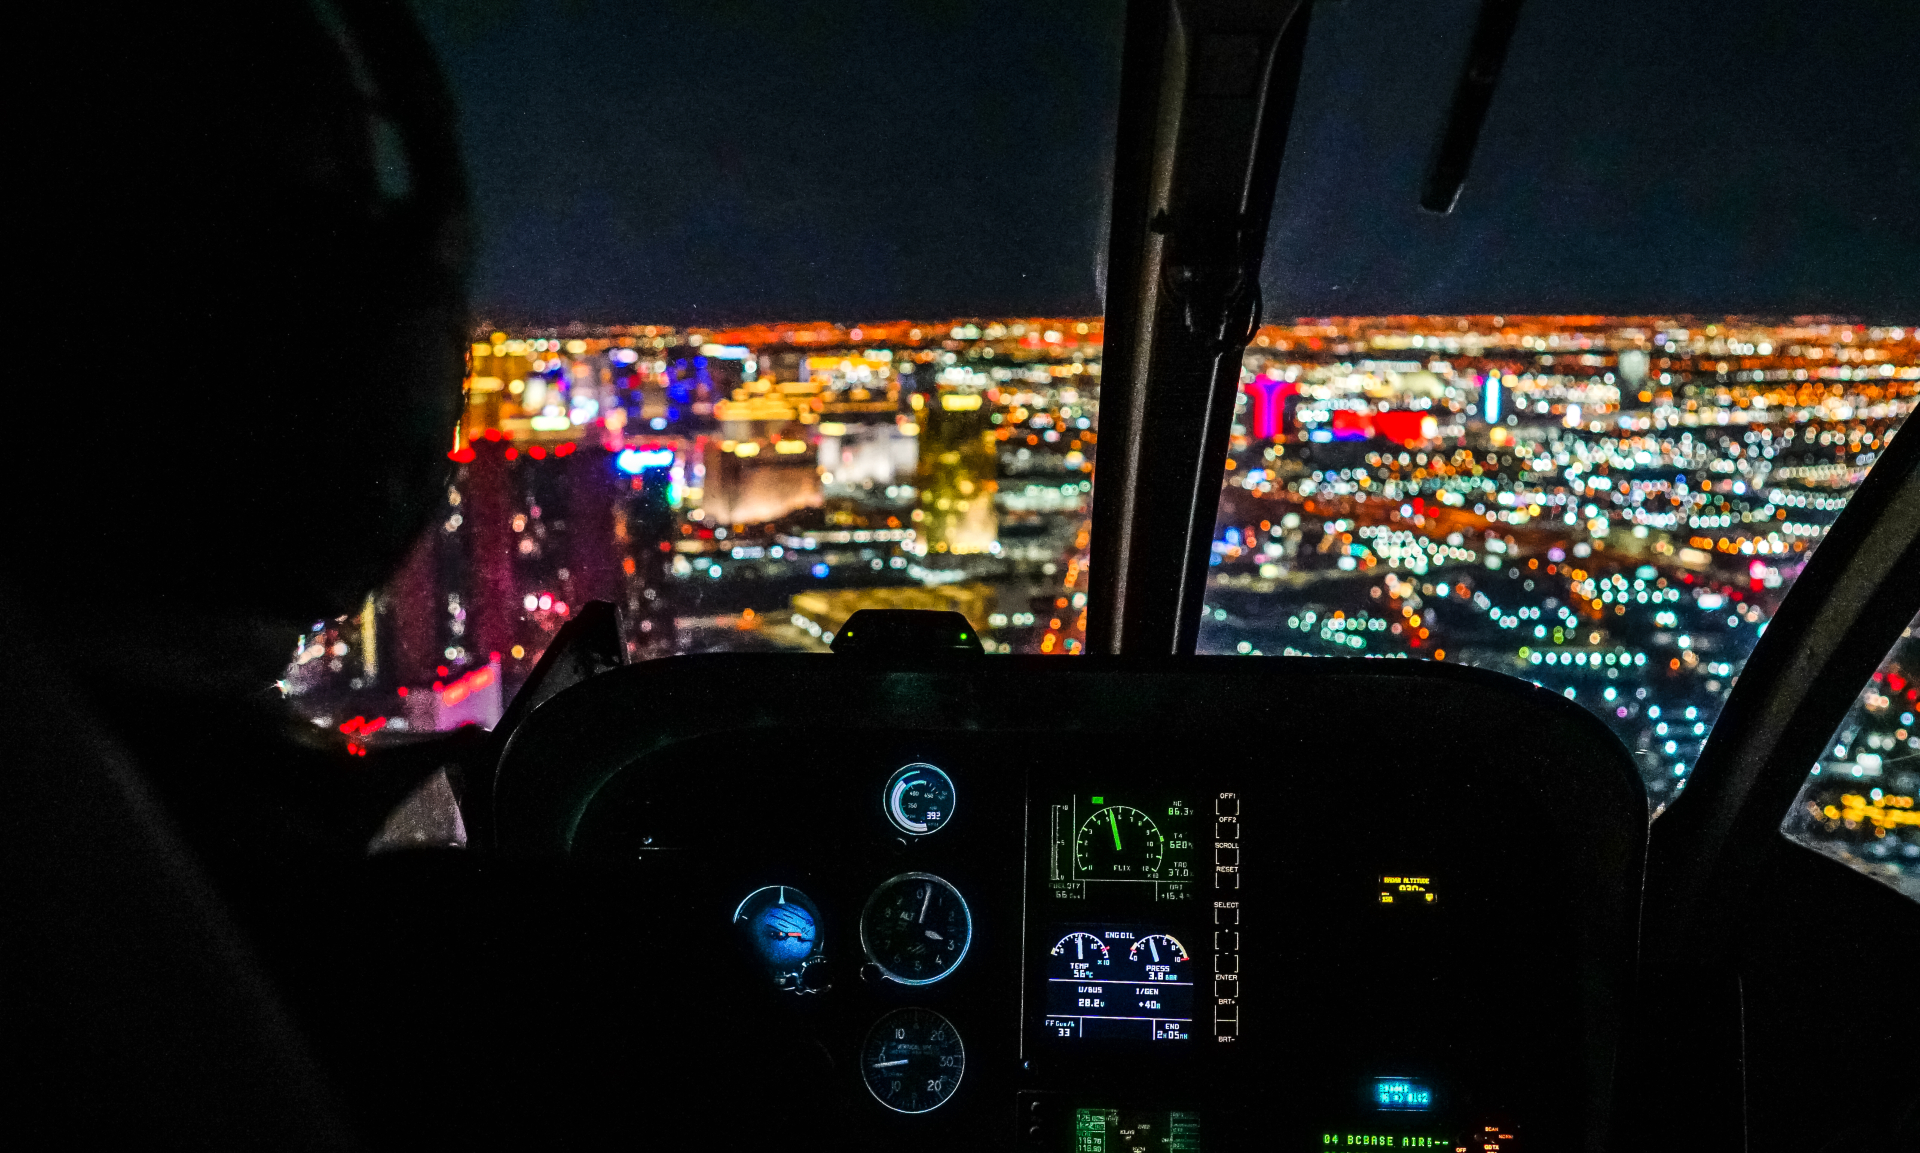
[784, 314]
[1610, 507]
[754, 360]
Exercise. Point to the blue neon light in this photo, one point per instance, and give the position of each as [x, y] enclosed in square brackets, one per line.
[1402, 1094]
[633, 460]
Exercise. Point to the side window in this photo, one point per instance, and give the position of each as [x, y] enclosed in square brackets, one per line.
[1861, 802]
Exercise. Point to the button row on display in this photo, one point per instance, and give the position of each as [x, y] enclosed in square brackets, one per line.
[1226, 915]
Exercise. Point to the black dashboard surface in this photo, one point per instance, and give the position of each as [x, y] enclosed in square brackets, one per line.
[1208, 904]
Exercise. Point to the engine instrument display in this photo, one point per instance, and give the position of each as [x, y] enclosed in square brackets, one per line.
[783, 929]
[1119, 982]
[912, 1060]
[916, 928]
[1099, 840]
[919, 799]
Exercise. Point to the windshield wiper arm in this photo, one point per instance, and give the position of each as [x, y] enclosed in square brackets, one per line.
[1453, 153]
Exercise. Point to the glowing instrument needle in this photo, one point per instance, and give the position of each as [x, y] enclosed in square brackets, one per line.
[1113, 822]
[889, 1064]
[926, 894]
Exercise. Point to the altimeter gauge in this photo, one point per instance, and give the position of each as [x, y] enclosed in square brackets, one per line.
[916, 928]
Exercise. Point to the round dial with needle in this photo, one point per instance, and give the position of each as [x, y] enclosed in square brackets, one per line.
[783, 929]
[916, 928]
[1080, 956]
[1157, 949]
[912, 1060]
[1119, 843]
[918, 799]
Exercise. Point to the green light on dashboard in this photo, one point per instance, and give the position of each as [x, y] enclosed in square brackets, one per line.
[1099, 800]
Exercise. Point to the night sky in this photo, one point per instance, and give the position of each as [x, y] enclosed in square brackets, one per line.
[703, 161]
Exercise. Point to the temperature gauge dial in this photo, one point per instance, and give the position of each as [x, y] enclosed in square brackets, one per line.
[919, 799]
[1082, 951]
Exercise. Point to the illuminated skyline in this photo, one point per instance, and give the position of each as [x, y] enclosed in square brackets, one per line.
[1619, 531]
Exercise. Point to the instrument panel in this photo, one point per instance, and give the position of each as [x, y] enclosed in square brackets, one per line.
[1137, 939]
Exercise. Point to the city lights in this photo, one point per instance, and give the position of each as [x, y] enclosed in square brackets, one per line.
[1611, 507]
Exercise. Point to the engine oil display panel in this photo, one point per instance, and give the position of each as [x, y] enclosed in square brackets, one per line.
[912, 1060]
[918, 799]
[916, 928]
[1119, 982]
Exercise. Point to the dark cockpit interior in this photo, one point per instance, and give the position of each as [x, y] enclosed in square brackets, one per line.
[913, 894]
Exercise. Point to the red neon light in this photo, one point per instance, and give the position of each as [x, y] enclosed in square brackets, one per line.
[1269, 403]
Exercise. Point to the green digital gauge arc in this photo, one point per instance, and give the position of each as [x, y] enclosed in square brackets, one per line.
[1119, 843]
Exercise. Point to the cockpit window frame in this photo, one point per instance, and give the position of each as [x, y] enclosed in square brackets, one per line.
[1858, 591]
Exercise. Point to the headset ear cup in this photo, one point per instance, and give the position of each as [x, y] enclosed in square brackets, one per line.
[414, 310]
[266, 351]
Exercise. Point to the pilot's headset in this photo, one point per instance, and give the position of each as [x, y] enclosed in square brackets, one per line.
[244, 267]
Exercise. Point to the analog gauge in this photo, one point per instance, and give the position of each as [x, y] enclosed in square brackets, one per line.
[1157, 949]
[1080, 957]
[919, 799]
[1119, 843]
[912, 1060]
[916, 928]
[1082, 949]
[783, 929]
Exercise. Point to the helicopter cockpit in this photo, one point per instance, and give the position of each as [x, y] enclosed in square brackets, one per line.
[1310, 792]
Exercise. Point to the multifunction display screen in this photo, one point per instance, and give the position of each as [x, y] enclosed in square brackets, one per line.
[1119, 982]
[1135, 1131]
[1139, 938]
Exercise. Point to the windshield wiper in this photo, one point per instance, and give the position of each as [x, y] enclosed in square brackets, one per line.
[1453, 153]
